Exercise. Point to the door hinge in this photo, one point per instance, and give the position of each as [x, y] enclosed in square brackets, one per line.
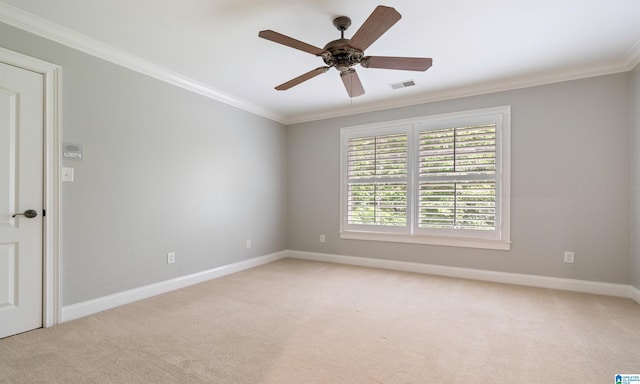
[44, 212]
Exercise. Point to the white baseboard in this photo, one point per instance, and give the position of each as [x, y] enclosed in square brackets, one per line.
[634, 294]
[585, 286]
[86, 308]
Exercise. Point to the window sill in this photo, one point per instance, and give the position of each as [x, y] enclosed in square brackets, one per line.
[430, 240]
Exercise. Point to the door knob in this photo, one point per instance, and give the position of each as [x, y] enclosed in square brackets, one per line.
[29, 214]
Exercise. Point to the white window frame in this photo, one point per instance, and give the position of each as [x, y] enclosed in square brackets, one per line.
[498, 239]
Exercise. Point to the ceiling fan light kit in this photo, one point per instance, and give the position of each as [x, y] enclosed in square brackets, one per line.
[343, 54]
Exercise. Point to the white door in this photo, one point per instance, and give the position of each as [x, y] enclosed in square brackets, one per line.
[21, 189]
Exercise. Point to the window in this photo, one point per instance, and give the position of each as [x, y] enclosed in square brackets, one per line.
[377, 173]
[434, 180]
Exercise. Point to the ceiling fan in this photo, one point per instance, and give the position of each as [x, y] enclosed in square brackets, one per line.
[343, 54]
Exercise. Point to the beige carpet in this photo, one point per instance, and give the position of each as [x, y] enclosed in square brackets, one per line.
[296, 322]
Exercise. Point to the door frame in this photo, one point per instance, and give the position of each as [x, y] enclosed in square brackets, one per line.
[51, 303]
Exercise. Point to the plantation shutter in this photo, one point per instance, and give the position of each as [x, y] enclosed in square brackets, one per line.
[457, 178]
[377, 180]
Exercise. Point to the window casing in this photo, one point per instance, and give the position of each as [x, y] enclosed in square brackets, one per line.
[435, 180]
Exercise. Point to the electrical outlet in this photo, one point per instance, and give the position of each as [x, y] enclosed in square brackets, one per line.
[322, 238]
[569, 257]
[171, 257]
[248, 243]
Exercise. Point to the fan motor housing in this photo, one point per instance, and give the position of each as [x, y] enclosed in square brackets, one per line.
[341, 55]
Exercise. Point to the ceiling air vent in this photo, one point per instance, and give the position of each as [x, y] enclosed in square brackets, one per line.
[403, 84]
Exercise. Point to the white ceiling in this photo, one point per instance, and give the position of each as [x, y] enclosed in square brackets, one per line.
[212, 46]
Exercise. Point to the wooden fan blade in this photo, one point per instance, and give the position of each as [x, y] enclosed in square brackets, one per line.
[402, 63]
[352, 83]
[290, 42]
[381, 19]
[302, 78]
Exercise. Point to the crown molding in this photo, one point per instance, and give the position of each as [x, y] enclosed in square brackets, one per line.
[51, 31]
[20, 19]
[480, 89]
[632, 57]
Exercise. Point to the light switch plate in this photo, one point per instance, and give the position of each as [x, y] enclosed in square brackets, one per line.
[67, 174]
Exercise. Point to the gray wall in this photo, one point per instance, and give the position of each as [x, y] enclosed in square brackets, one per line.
[635, 228]
[165, 170]
[169, 170]
[570, 187]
